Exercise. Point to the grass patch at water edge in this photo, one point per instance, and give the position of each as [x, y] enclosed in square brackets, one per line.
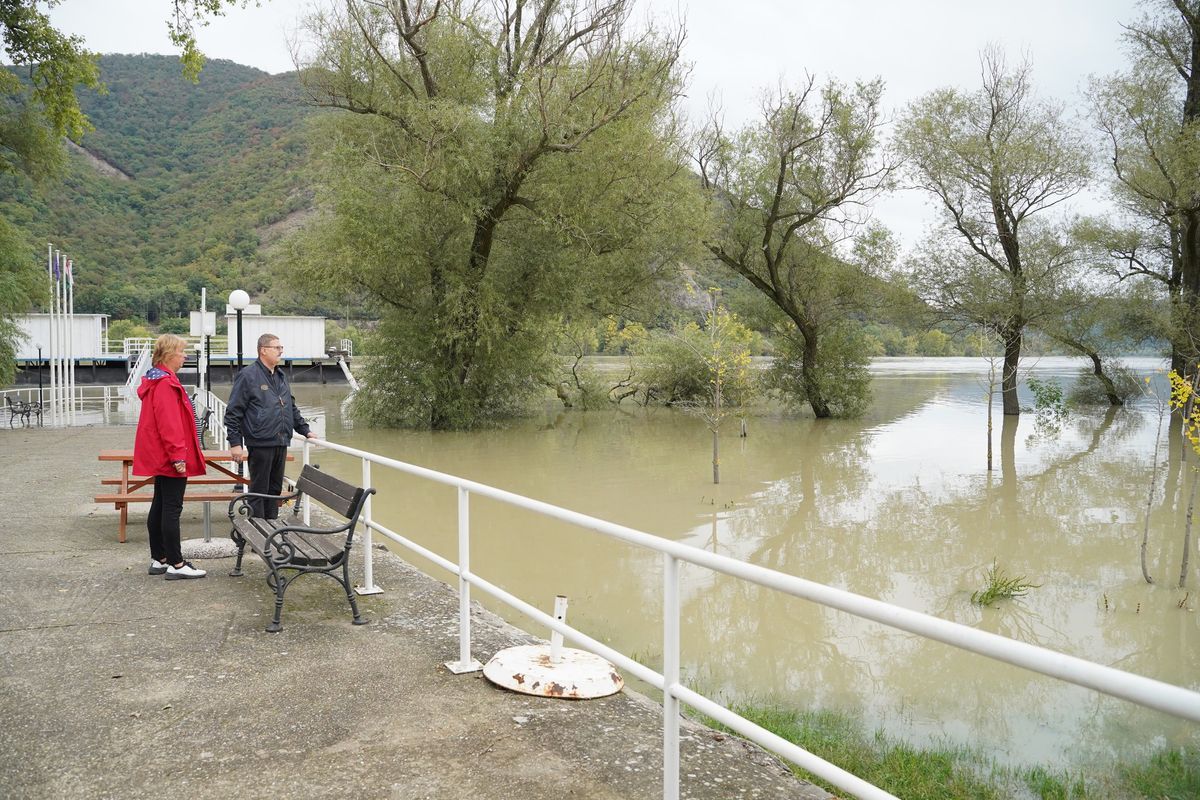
[1171, 775]
[962, 773]
[900, 769]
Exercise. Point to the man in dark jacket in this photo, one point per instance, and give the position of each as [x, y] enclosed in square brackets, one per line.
[260, 418]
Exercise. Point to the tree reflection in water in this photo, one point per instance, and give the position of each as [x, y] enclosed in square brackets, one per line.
[897, 506]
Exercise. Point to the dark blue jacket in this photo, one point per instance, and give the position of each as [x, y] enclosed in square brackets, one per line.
[261, 410]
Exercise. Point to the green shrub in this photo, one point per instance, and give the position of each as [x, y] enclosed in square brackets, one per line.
[1089, 391]
[176, 325]
[841, 373]
[128, 329]
[680, 366]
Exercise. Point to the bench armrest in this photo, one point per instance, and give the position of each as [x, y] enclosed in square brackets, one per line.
[306, 529]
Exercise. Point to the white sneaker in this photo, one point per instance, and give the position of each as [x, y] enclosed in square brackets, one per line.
[157, 567]
[185, 571]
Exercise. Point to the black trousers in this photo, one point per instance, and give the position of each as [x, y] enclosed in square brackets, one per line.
[163, 522]
[266, 477]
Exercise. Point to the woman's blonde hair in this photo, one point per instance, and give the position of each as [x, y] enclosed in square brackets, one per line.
[166, 345]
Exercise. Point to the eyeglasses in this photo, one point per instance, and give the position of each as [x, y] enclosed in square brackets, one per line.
[278, 347]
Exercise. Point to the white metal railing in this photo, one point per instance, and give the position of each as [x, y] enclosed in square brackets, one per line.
[86, 397]
[133, 345]
[216, 420]
[135, 374]
[1138, 689]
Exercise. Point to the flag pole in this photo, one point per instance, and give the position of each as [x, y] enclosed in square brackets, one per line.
[53, 365]
[59, 337]
[71, 336]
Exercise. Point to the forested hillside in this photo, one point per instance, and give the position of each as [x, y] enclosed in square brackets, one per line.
[204, 177]
[182, 186]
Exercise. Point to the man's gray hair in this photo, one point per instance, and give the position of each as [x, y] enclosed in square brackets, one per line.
[266, 339]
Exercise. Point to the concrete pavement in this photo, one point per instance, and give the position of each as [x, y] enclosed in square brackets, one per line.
[116, 684]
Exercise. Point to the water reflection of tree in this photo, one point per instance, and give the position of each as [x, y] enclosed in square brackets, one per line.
[794, 523]
[1068, 523]
[804, 502]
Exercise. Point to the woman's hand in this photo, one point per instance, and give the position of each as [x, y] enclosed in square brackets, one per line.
[180, 466]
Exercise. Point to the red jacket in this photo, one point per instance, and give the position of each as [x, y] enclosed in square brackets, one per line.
[166, 430]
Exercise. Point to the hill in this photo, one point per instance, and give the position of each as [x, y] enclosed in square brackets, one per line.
[179, 186]
[182, 186]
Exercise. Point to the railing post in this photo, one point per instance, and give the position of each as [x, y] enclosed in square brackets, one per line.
[670, 677]
[368, 586]
[465, 663]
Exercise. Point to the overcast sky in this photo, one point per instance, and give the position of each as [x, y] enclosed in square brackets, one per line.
[914, 45]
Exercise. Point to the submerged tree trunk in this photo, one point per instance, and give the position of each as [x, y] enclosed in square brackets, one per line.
[1008, 451]
[1150, 491]
[1012, 362]
[991, 397]
[1187, 530]
[716, 427]
[812, 386]
[716, 458]
[1110, 389]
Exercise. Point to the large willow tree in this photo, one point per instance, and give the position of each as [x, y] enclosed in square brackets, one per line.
[1150, 118]
[789, 191]
[494, 169]
[997, 162]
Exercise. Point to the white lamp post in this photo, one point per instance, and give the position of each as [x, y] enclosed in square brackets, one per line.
[239, 300]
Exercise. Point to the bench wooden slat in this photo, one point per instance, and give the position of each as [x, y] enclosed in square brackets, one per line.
[331, 492]
[319, 547]
[312, 550]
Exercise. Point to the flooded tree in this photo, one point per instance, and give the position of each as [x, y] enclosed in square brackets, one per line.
[1184, 394]
[789, 192]
[1150, 120]
[995, 160]
[495, 168]
[731, 384]
[1160, 406]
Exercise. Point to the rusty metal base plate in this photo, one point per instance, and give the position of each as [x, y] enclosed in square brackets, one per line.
[578, 675]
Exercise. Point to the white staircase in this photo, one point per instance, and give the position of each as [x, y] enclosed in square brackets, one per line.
[135, 375]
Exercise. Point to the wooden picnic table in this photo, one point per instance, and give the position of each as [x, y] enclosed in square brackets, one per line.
[130, 489]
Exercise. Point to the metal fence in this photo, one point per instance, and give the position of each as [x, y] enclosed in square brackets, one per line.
[1143, 691]
[135, 344]
[86, 398]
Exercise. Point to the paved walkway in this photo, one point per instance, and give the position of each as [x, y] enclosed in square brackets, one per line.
[115, 684]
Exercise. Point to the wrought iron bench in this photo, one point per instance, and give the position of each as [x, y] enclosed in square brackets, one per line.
[25, 411]
[287, 544]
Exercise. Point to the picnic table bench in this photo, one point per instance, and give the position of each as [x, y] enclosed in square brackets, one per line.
[132, 489]
[289, 544]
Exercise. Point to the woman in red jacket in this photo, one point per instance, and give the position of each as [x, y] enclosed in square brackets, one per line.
[167, 447]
